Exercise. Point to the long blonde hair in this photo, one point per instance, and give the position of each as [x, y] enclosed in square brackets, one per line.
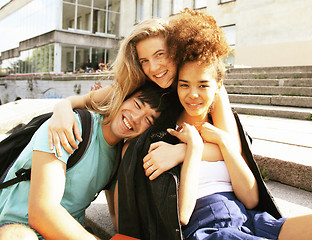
[128, 73]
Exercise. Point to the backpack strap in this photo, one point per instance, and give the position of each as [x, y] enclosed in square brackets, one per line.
[87, 126]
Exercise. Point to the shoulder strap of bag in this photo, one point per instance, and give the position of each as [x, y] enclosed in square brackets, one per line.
[266, 200]
[86, 121]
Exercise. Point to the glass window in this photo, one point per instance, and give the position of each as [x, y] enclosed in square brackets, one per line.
[139, 10]
[230, 33]
[82, 58]
[176, 6]
[225, 1]
[200, 3]
[105, 16]
[99, 21]
[68, 16]
[85, 2]
[38, 60]
[67, 59]
[83, 18]
[113, 23]
[99, 4]
[156, 8]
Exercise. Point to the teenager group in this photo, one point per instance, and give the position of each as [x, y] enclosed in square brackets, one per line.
[189, 175]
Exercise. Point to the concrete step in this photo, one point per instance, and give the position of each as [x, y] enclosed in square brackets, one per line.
[292, 101]
[282, 148]
[270, 75]
[273, 111]
[299, 82]
[270, 69]
[270, 90]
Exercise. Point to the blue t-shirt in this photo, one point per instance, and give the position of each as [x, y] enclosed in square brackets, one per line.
[83, 180]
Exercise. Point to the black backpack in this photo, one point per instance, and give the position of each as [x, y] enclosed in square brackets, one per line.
[13, 145]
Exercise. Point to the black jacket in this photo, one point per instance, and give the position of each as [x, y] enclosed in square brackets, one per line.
[148, 209]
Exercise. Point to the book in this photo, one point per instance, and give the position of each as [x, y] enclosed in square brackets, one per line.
[119, 236]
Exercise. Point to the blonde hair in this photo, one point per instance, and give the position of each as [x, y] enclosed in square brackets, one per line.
[128, 73]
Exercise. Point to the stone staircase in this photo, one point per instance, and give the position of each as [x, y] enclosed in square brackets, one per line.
[271, 91]
[275, 105]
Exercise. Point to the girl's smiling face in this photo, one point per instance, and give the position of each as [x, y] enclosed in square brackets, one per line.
[197, 87]
[155, 61]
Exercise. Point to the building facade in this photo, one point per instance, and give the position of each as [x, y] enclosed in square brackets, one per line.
[58, 35]
[41, 36]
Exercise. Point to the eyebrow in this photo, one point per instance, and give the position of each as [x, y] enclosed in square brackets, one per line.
[159, 50]
[201, 81]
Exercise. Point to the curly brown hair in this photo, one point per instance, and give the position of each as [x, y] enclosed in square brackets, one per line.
[195, 36]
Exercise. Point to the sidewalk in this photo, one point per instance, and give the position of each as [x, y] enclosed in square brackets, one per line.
[284, 145]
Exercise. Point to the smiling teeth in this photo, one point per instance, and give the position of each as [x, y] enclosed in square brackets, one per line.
[160, 75]
[127, 123]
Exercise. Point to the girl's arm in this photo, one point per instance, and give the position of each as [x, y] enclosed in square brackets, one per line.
[223, 117]
[63, 127]
[190, 169]
[124, 148]
[46, 214]
[163, 156]
[110, 197]
[243, 181]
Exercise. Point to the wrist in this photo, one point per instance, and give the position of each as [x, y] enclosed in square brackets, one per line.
[196, 144]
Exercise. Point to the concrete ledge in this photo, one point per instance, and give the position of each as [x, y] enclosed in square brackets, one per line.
[298, 82]
[280, 69]
[292, 101]
[273, 111]
[290, 173]
[269, 75]
[271, 90]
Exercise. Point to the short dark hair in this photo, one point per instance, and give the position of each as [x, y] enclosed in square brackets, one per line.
[165, 101]
[152, 94]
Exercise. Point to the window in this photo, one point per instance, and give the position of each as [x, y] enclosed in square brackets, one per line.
[200, 3]
[101, 17]
[176, 6]
[139, 10]
[230, 34]
[226, 1]
[156, 8]
[68, 15]
[37, 60]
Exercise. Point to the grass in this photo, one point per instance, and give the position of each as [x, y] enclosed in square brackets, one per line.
[264, 174]
[259, 76]
[309, 117]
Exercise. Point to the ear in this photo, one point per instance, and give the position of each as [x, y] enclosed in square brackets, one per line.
[220, 84]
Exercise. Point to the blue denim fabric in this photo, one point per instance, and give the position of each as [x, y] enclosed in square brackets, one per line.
[223, 216]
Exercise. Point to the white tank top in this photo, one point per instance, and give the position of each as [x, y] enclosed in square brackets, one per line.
[213, 178]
